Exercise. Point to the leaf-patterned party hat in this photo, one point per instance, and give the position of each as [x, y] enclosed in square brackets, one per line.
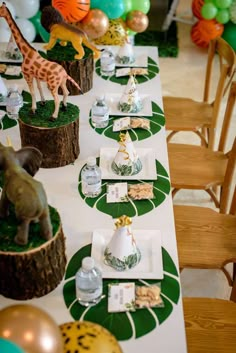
[122, 252]
[125, 54]
[126, 161]
[130, 101]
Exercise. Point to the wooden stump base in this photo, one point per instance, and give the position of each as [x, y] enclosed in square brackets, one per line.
[59, 143]
[82, 72]
[34, 273]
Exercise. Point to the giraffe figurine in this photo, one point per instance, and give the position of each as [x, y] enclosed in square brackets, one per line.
[34, 66]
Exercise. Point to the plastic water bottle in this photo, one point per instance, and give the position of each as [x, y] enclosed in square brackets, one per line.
[91, 178]
[14, 102]
[88, 283]
[107, 63]
[100, 112]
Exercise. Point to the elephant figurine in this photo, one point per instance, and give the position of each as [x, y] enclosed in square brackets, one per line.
[25, 193]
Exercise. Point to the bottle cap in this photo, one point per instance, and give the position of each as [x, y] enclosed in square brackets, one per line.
[100, 97]
[91, 161]
[88, 263]
[13, 87]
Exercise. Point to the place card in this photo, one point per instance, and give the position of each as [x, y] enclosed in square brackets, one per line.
[121, 297]
[13, 70]
[117, 192]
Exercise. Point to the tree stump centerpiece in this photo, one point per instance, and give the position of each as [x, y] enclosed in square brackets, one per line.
[58, 140]
[80, 70]
[34, 269]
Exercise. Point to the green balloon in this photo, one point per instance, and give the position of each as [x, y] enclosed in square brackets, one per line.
[229, 34]
[208, 11]
[141, 5]
[222, 4]
[222, 16]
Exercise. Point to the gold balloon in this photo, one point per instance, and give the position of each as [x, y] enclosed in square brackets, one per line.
[88, 337]
[30, 328]
[95, 23]
[137, 21]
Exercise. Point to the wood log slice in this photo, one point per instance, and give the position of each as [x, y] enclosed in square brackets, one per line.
[58, 141]
[80, 70]
[35, 272]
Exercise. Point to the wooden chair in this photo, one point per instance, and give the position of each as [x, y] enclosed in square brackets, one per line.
[185, 114]
[210, 325]
[198, 167]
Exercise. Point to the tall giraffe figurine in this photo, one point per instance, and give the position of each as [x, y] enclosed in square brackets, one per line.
[35, 66]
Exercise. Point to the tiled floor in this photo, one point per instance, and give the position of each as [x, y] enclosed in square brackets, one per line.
[184, 76]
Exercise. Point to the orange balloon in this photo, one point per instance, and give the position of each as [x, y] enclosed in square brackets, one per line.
[95, 24]
[137, 21]
[72, 10]
[204, 31]
[196, 8]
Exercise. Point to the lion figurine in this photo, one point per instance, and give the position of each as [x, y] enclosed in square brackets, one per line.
[54, 23]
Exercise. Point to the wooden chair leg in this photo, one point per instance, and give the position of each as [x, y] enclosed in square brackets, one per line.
[213, 197]
[174, 192]
[233, 292]
[169, 137]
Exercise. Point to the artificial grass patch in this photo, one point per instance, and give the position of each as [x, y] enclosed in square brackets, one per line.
[44, 113]
[167, 42]
[8, 230]
[67, 53]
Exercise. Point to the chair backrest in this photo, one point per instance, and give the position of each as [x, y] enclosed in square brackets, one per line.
[227, 116]
[222, 53]
[229, 185]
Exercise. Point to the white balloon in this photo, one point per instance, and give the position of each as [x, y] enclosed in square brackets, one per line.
[5, 34]
[27, 29]
[11, 8]
[25, 8]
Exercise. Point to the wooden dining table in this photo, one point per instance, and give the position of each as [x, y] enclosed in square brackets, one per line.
[154, 329]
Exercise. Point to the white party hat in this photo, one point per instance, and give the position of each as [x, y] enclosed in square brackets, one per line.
[126, 161]
[125, 54]
[130, 101]
[122, 253]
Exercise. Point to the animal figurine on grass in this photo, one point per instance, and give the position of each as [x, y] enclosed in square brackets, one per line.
[34, 66]
[25, 193]
[54, 23]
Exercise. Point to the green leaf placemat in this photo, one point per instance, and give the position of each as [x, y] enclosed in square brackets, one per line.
[161, 188]
[153, 70]
[157, 121]
[123, 325]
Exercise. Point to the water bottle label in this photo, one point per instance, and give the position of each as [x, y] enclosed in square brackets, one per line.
[90, 189]
[100, 118]
[88, 296]
[108, 66]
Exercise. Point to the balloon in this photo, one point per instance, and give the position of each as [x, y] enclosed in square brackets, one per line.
[137, 21]
[5, 35]
[72, 10]
[208, 11]
[11, 8]
[205, 30]
[9, 347]
[95, 24]
[115, 35]
[229, 34]
[31, 328]
[26, 9]
[36, 20]
[223, 16]
[27, 29]
[232, 11]
[113, 9]
[222, 4]
[85, 336]
[141, 5]
[196, 8]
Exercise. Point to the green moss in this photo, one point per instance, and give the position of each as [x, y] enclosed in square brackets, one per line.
[60, 53]
[43, 114]
[8, 229]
